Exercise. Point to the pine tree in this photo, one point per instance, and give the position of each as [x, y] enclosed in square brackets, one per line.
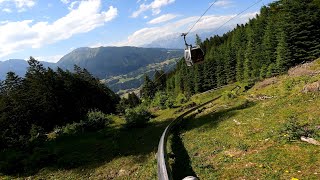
[198, 40]
[248, 55]
[282, 52]
[148, 88]
[198, 78]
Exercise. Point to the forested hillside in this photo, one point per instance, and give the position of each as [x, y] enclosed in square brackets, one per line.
[105, 62]
[284, 34]
[45, 99]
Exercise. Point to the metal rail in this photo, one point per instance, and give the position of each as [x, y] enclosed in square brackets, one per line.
[164, 172]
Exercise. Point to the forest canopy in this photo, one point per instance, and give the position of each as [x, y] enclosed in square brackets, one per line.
[45, 99]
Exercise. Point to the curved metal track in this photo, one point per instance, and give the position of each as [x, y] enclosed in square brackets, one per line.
[164, 172]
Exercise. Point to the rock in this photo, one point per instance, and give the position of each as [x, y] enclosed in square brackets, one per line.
[122, 172]
[237, 122]
[310, 140]
[313, 87]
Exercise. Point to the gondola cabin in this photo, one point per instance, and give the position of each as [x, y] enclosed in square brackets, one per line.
[192, 55]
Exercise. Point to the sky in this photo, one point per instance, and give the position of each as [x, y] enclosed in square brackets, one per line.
[49, 29]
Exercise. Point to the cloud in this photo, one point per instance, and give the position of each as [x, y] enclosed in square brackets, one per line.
[163, 18]
[154, 6]
[21, 5]
[54, 58]
[15, 36]
[223, 3]
[7, 10]
[65, 1]
[208, 23]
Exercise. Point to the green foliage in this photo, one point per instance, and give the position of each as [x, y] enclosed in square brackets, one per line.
[44, 99]
[198, 40]
[160, 100]
[289, 84]
[170, 102]
[148, 88]
[96, 120]
[284, 34]
[229, 95]
[36, 132]
[293, 130]
[243, 146]
[137, 117]
[72, 128]
[181, 99]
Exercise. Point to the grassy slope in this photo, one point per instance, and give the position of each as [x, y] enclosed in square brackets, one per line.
[209, 144]
[241, 139]
[113, 153]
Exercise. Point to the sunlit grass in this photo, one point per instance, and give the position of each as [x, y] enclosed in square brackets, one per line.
[231, 138]
[232, 141]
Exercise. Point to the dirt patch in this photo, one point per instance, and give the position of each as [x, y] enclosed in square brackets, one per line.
[303, 69]
[266, 83]
[233, 153]
[259, 97]
[188, 106]
[313, 87]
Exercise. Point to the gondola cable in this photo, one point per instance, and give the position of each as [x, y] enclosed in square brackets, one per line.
[190, 63]
[237, 15]
[201, 17]
[194, 55]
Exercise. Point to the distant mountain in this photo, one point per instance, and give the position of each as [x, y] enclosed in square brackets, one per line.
[105, 62]
[120, 67]
[127, 82]
[19, 66]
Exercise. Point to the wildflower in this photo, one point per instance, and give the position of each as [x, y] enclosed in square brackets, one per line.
[286, 171]
[294, 178]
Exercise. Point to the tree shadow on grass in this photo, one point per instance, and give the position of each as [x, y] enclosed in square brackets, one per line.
[84, 150]
[181, 166]
[211, 120]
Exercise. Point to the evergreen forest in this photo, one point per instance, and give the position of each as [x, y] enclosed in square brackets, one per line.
[285, 33]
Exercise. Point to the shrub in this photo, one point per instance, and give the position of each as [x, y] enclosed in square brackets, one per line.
[160, 100]
[96, 120]
[293, 130]
[229, 95]
[35, 132]
[181, 98]
[170, 102]
[137, 117]
[73, 128]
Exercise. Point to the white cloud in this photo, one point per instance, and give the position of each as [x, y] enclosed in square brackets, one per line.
[54, 58]
[163, 18]
[65, 1]
[223, 3]
[208, 23]
[21, 5]
[15, 36]
[7, 10]
[154, 6]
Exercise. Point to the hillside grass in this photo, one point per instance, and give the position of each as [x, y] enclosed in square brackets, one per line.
[112, 153]
[248, 138]
[237, 137]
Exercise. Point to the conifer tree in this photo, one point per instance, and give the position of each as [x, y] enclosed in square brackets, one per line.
[148, 88]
